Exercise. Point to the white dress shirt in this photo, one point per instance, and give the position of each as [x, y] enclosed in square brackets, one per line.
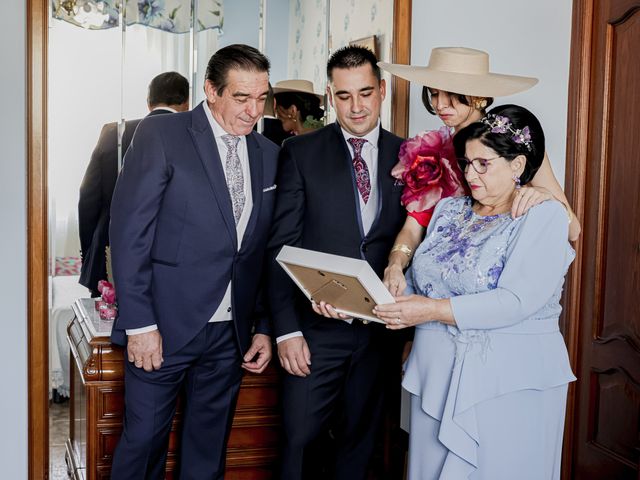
[224, 313]
[368, 210]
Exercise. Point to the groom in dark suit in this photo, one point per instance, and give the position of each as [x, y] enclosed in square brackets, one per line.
[189, 225]
[168, 93]
[335, 195]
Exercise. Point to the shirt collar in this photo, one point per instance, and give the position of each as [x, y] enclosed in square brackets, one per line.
[168, 109]
[371, 137]
[218, 131]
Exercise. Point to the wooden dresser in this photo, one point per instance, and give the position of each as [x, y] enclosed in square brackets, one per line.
[97, 408]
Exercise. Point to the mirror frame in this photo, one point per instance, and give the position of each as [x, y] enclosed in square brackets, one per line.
[37, 211]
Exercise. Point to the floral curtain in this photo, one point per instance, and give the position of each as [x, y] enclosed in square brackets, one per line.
[167, 15]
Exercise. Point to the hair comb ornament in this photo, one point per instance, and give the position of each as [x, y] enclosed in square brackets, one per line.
[501, 124]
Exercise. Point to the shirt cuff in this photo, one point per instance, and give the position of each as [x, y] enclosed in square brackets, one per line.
[136, 331]
[288, 336]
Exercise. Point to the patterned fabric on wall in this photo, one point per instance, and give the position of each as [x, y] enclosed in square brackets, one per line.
[351, 20]
[308, 41]
[168, 15]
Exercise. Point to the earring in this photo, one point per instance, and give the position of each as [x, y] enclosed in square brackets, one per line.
[516, 180]
[479, 103]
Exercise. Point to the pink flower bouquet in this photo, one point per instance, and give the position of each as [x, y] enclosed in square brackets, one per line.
[427, 166]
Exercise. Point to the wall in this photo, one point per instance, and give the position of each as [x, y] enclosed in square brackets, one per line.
[241, 21]
[13, 328]
[533, 40]
[277, 41]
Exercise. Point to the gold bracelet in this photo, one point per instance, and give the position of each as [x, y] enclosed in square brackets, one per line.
[401, 247]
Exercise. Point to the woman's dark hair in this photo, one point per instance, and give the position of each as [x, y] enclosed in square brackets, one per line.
[307, 104]
[503, 143]
[237, 56]
[426, 100]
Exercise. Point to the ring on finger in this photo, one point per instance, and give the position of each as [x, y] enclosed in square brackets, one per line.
[398, 322]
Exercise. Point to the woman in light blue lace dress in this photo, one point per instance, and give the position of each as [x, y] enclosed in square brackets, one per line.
[488, 371]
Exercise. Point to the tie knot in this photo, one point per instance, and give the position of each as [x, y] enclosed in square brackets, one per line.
[357, 144]
[231, 141]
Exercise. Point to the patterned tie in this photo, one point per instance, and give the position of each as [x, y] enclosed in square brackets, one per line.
[235, 178]
[360, 167]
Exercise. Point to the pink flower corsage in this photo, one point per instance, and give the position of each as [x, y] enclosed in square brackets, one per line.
[429, 170]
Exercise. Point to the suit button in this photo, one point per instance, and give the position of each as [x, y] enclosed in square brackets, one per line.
[229, 309]
[364, 248]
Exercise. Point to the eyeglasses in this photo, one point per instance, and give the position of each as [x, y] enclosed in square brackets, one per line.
[480, 165]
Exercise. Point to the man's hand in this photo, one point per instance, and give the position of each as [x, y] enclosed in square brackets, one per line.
[295, 356]
[145, 350]
[257, 357]
[328, 311]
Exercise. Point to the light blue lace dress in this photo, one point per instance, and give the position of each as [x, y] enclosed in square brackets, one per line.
[488, 396]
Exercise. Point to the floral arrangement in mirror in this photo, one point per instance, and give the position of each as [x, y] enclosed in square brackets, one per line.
[106, 304]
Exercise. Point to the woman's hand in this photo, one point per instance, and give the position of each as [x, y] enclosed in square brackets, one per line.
[527, 197]
[408, 311]
[394, 279]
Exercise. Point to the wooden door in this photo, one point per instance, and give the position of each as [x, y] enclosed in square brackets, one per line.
[603, 315]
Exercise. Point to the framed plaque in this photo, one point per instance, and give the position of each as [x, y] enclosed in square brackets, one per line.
[348, 284]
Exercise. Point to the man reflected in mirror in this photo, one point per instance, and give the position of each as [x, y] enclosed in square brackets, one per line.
[168, 93]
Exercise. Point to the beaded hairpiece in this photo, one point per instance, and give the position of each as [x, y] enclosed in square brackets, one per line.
[500, 124]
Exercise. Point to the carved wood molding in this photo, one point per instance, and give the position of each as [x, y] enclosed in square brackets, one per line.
[37, 241]
[401, 53]
[575, 185]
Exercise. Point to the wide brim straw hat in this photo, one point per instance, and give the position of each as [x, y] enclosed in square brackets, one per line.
[461, 70]
[302, 86]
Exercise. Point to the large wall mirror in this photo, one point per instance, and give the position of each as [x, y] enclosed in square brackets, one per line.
[94, 60]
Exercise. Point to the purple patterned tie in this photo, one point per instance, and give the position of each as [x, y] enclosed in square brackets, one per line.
[360, 167]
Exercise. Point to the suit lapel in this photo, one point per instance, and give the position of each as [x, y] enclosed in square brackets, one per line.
[255, 167]
[205, 144]
[385, 164]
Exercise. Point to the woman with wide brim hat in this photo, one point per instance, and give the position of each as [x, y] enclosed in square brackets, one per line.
[297, 106]
[458, 86]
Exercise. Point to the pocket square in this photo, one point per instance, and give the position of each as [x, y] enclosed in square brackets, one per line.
[268, 189]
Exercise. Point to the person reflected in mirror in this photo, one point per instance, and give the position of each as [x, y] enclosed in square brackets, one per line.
[489, 370]
[298, 107]
[190, 220]
[335, 195]
[168, 93]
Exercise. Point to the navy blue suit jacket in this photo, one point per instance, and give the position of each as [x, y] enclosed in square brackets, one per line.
[173, 235]
[318, 208]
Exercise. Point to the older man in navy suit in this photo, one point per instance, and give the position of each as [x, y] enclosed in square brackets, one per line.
[189, 223]
[335, 195]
